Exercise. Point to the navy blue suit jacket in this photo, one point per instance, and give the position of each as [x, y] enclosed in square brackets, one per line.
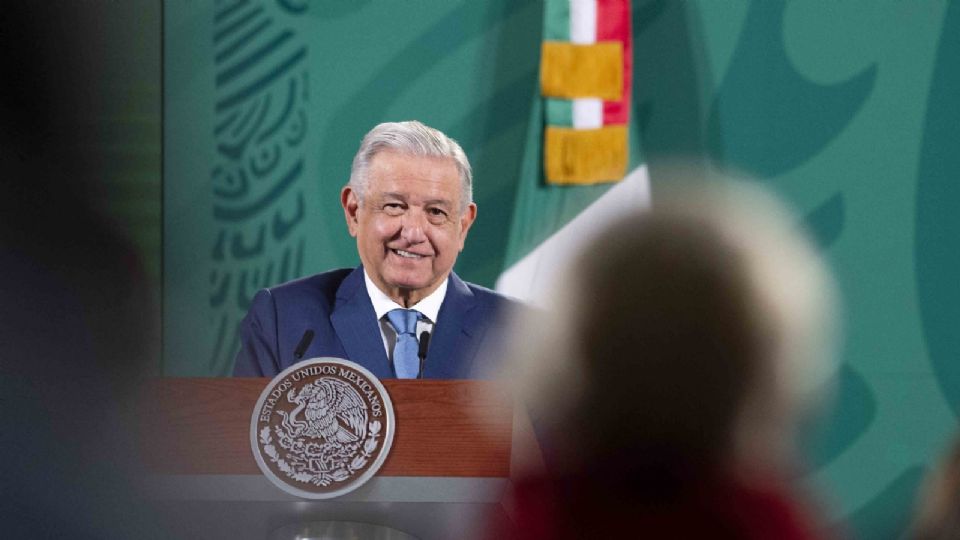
[335, 305]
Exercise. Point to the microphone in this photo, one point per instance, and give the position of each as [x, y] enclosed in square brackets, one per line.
[302, 346]
[422, 351]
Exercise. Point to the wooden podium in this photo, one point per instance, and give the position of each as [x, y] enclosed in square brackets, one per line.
[445, 476]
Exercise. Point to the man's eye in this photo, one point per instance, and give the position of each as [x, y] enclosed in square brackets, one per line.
[436, 216]
[393, 208]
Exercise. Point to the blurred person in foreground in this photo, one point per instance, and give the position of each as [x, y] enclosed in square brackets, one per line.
[938, 514]
[75, 326]
[667, 380]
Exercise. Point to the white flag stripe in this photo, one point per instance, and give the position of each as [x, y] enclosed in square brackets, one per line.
[583, 21]
[587, 113]
[531, 278]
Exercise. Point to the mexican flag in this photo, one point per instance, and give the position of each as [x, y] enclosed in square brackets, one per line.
[581, 169]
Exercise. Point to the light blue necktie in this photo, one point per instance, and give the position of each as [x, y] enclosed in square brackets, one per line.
[406, 363]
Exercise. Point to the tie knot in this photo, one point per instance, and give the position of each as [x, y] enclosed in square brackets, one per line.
[404, 321]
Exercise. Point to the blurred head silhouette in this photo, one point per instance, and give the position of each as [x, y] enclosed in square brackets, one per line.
[684, 339]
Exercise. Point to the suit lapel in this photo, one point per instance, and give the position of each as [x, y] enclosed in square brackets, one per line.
[451, 345]
[357, 327]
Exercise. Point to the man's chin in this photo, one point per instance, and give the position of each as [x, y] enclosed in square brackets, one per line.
[408, 287]
[417, 286]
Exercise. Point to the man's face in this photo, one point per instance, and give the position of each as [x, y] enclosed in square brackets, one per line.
[408, 225]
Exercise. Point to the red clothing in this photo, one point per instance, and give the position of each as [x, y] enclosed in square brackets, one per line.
[585, 507]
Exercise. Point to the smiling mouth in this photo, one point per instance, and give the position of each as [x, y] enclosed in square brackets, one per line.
[406, 254]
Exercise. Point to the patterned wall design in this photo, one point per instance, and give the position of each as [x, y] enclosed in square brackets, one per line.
[261, 90]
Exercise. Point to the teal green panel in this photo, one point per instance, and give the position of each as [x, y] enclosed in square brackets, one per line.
[849, 418]
[493, 149]
[848, 110]
[669, 86]
[763, 93]
[937, 249]
[825, 223]
[887, 516]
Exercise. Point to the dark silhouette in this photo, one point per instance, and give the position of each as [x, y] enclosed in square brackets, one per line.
[75, 323]
[666, 382]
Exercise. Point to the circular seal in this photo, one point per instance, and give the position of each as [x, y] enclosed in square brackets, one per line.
[322, 428]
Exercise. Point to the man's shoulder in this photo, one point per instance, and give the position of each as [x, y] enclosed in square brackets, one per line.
[325, 284]
[489, 296]
[321, 280]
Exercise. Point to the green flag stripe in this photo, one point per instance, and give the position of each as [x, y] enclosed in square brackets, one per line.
[559, 112]
[556, 20]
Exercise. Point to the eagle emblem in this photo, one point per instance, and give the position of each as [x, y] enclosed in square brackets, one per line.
[318, 428]
[333, 412]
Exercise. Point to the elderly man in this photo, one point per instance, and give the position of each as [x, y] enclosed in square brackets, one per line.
[403, 313]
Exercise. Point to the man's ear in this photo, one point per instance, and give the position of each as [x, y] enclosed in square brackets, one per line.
[350, 203]
[467, 218]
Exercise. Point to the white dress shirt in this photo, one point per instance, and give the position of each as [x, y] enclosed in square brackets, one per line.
[429, 308]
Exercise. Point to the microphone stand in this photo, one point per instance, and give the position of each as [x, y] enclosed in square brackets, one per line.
[422, 351]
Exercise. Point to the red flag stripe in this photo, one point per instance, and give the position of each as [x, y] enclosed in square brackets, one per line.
[613, 24]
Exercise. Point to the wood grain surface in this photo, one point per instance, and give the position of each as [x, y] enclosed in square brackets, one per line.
[444, 428]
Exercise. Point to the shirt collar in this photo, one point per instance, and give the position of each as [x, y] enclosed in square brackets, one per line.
[382, 304]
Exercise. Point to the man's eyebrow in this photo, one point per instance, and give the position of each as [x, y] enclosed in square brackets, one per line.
[441, 202]
[402, 197]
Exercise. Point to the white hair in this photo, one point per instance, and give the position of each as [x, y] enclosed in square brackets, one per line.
[411, 138]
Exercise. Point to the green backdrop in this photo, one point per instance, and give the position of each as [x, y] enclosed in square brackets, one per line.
[849, 109]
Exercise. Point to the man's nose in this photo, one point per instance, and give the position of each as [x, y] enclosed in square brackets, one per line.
[412, 227]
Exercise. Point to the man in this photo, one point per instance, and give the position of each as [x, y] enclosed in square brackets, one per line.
[403, 313]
